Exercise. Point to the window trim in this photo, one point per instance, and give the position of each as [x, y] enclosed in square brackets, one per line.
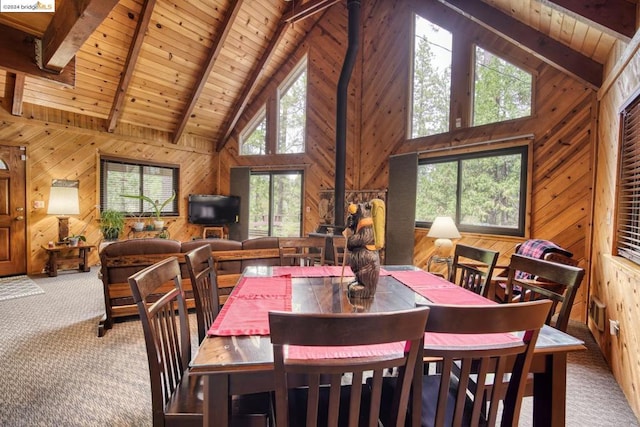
[291, 78]
[175, 205]
[505, 58]
[521, 230]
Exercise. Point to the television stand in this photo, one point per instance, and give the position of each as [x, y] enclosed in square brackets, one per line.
[215, 232]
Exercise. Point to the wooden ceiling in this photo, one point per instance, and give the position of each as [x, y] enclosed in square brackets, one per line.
[190, 67]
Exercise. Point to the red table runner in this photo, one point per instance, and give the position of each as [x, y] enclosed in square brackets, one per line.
[317, 271]
[246, 312]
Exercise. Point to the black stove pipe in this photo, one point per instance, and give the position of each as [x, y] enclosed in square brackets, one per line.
[353, 7]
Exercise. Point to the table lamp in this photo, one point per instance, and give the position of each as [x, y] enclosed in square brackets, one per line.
[63, 201]
[443, 229]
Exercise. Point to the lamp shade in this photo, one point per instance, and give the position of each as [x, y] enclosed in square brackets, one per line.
[443, 227]
[63, 198]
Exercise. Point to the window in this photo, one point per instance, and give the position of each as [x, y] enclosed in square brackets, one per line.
[431, 82]
[484, 192]
[628, 242]
[118, 177]
[275, 204]
[292, 104]
[502, 91]
[253, 140]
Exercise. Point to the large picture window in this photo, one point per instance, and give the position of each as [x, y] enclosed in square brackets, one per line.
[158, 182]
[628, 242]
[431, 79]
[484, 192]
[253, 140]
[275, 204]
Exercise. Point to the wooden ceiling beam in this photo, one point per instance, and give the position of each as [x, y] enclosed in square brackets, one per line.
[18, 55]
[538, 44]
[71, 26]
[214, 52]
[130, 64]
[14, 92]
[314, 6]
[615, 17]
[250, 85]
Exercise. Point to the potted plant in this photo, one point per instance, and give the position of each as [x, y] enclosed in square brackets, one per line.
[156, 205]
[111, 223]
[75, 239]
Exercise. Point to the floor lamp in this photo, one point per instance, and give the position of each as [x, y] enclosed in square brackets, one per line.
[63, 201]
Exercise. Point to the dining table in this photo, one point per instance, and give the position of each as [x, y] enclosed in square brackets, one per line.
[236, 355]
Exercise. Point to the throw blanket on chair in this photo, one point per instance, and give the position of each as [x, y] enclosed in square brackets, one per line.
[538, 248]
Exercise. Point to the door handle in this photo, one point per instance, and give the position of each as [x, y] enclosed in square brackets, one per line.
[19, 218]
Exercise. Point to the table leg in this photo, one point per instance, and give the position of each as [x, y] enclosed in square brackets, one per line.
[216, 398]
[550, 392]
[84, 264]
[53, 263]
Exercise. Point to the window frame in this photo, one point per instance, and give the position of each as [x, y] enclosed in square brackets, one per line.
[472, 104]
[411, 99]
[175, 170]
[284, 86]
[523, 150]
[627, 196]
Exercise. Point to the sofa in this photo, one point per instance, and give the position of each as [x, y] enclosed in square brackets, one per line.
[121, 259]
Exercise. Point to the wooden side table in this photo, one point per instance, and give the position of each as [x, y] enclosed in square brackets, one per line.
[65, 254]
[440, 260]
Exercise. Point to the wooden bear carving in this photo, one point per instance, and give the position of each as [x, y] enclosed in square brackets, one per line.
[365, 237]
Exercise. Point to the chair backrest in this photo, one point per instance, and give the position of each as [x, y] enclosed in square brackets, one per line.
[487, 360]
[473, 268]
[205, 287]
[305, 251]
[339, 330]
[551, 280]
[166, 330]
[339, 248]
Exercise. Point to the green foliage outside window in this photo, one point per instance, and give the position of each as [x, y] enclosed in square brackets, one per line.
[256, 140]
[483, 192]
[275, 204]
[502, 90]
[292, 114]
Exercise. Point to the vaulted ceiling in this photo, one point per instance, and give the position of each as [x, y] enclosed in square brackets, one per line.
[189, 67]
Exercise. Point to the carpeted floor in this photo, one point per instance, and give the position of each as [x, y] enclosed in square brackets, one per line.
[18, 287]
[54, 370]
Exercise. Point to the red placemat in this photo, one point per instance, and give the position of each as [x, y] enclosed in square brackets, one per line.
[312, 353]
[252, 287]
[468, 341]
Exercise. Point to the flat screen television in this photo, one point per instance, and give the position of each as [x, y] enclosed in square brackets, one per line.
[213, 209]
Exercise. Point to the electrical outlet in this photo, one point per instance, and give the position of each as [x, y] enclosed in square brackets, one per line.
[38, 204]
[614, 327]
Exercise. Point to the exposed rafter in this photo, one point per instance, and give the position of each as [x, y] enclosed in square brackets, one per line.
[535, 42]
[615, 17]
[130, 64]
[206, 70]
[72, 24]
[14, 92]
[17, 55]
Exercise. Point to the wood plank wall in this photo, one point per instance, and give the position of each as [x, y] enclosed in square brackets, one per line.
[614, 280]
[55, 151]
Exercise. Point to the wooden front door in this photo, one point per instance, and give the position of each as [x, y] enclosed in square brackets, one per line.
[12, 212]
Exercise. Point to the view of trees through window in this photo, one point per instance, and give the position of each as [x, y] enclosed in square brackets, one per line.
[292, 105]
[275, 204]
[502, 90]
[431, 79]
[254, 140]
[481, 191]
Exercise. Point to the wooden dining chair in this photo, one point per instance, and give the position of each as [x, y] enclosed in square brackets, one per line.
[205, 287]
[328, 402]
[556, 282]
[176, 396]
[452, 396]
[473, 268]
[302, 251]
